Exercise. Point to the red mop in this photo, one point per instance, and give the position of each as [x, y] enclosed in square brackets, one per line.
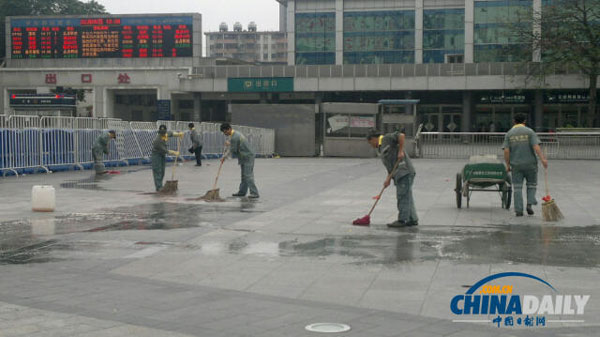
[366, 220]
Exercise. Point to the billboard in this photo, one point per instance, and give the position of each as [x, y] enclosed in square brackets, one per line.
[103, 36]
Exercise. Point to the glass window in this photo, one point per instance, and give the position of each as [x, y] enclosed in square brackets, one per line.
[315, 38]
[379, 37]
[493, 39]
[443, 34]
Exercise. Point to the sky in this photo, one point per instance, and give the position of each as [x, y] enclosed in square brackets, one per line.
[264, 12]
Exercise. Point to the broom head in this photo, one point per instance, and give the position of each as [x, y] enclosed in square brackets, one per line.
[212, 195]
[169, 188]
[550, 210]
[364, 221]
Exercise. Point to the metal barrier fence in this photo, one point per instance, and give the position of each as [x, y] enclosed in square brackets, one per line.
[462, 145]
[31, 143]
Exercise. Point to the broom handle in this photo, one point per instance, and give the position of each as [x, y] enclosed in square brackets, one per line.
[546, 174]
[384, 187]
[546, 181]
[175, 162]
[220, 166]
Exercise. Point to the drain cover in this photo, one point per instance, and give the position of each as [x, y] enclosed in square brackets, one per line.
[327, 327]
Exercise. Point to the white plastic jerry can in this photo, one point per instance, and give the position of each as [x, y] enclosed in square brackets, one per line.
[43, 198]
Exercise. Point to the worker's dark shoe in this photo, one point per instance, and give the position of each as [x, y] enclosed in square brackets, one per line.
[238, 194]
[529, 209]
[198, 164]
[253, 196]
[412, 223]
[519, 213]
[398, 224]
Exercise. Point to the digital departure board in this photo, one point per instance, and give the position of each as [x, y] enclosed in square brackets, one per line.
[102, 37]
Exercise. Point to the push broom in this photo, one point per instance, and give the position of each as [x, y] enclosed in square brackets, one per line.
[213, 195]
[171, 185]
[550, 210]
[366, 220]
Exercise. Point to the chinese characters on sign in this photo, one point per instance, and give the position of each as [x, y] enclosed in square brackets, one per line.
[123, 78]
[132, 36]
[262, 84]
[86, 78]
[50, 78]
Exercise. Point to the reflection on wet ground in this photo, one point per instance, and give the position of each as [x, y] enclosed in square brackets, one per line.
[34, 240]
[543, 245]
[19, 236]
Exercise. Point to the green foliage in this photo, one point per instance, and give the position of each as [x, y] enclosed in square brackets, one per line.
[43, 7]
[567, 37]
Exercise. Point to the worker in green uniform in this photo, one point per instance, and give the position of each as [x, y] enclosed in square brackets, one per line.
[240, 147]
[100, 148]
[197, 143]
[521, 144]
[159, 153]
[390, 147]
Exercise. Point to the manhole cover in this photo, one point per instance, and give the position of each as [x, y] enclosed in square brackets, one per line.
[327, 327]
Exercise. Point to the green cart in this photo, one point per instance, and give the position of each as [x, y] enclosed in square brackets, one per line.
[483, 174]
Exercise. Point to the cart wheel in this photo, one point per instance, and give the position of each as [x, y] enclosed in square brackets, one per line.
[458, 190]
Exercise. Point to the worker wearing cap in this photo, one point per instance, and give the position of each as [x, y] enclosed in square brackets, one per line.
[240, 147]
[521, 144]
[197, 143]
[100, 148]
[160, 150]
[390, 147]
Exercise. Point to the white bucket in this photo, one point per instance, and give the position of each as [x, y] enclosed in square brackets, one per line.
[43, 198]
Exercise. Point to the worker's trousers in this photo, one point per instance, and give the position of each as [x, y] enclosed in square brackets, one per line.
[158, 169]
[247, 167]
[407, 211]
[519, 174]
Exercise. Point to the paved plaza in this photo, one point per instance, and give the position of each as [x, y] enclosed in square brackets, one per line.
[117, 260]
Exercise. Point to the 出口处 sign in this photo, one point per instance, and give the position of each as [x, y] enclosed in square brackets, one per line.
[260, 84]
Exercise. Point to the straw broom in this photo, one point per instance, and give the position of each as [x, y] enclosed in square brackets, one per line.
[550, 210]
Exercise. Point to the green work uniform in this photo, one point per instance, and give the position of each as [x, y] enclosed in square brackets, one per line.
[99, 149]
[403, 177]
[520, 141]
[159, 153]
[240, 147]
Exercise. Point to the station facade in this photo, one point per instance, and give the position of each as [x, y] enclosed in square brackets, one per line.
[451, 55]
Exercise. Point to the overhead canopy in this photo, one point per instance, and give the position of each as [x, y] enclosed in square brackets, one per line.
[398, 101]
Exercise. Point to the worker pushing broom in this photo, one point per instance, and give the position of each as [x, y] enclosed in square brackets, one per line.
[390, 147]
[521, 145]
[159, 152]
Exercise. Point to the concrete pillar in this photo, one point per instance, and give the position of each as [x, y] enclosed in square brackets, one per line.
[98, 109]
[269, 48]
[282, 18]
[418, 31]
[339, 32]
[537, 28]
[261, 49]
[4, 101]
[469, 30]
[197, 115]
[539, 110]
[109, 103]
[291, 32]
[467, 115]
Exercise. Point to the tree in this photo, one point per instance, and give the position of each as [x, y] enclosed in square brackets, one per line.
[565, 34]
[43, 7]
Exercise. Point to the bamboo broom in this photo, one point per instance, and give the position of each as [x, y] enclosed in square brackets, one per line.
[550, 210]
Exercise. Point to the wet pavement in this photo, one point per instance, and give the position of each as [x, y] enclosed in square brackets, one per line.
[121, 260]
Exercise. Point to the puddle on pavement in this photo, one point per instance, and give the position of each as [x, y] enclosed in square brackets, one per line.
[519, 244]
[542, 245]
[19, 239]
